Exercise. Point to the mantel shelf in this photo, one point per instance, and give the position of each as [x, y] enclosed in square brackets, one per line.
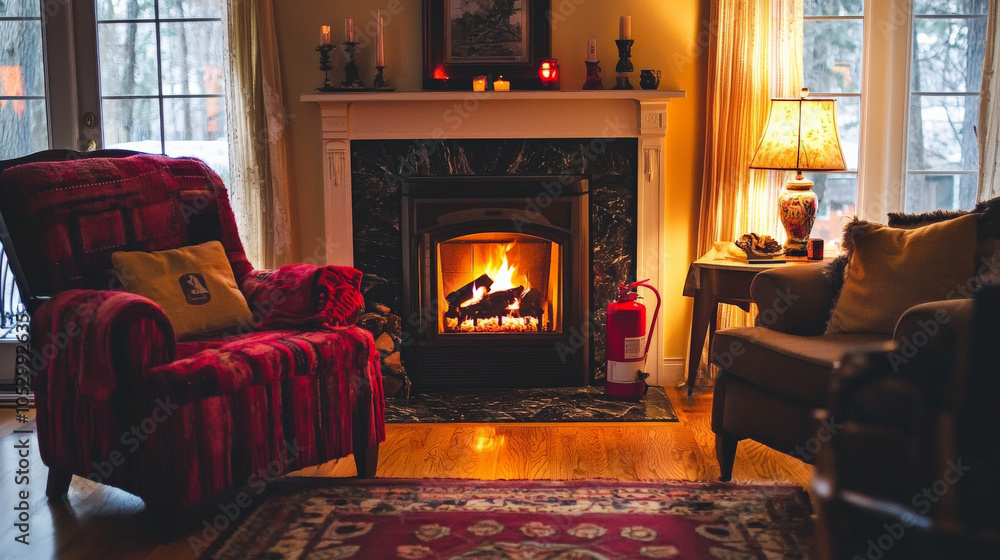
[525, 95]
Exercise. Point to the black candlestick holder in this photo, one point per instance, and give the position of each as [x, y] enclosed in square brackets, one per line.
[325, 66]
[379, 81]
[624, 66]
[351, 79]
[593, 75]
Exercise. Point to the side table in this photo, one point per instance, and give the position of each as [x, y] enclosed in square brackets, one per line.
[711, 281]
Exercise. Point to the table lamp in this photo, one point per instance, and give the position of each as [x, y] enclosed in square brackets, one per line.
[801, 135]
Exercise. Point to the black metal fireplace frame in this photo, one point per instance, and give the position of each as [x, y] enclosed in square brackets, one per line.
[436, 209]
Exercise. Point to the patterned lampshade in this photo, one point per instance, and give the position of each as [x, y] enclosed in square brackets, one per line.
[801, 135]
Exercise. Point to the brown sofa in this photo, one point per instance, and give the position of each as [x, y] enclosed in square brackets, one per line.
[776, 375]
[913, 472]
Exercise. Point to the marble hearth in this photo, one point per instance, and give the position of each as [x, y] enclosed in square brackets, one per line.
[373, 142]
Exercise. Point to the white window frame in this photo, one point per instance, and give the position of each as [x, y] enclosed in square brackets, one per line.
[885, 107]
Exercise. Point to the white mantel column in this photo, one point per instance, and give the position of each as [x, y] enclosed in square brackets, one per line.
[337, 184]
[650, 252]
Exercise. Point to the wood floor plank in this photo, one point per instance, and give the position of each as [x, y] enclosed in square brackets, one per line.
[524, 453]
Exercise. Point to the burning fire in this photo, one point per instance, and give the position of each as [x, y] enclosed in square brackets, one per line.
[495, 302]
[502, 274]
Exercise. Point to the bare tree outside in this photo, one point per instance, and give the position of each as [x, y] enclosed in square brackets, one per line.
[949, 44]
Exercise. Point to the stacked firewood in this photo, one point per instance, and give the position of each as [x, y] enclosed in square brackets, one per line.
[387, 328]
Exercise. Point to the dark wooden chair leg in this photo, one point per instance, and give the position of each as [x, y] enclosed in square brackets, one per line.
[58, 482]
[367, 461]
[725, 450]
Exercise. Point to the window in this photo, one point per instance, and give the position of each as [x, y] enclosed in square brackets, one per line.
[161, 78]
[23, 124]
[949, 44]
[906, 75]
[832, 49]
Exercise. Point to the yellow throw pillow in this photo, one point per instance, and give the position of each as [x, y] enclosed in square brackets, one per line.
[890, 270]
[194, 285]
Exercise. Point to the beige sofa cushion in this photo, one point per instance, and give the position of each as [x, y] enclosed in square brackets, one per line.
[891, 269]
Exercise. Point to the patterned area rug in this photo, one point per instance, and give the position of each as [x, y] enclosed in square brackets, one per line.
[522, 520]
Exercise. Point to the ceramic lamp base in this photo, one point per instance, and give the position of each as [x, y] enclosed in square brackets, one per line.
[797, 206]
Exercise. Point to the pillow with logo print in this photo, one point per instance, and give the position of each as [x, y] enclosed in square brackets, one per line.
[194, 285]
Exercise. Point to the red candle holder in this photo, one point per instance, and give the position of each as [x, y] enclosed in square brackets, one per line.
[548, 73]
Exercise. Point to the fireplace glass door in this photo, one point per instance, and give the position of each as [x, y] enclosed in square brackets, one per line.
[499, 283]
[496, 282]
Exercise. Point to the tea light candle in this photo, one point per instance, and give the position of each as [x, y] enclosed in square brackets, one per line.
[479, 83]
[324, 33]
[501, 85]
[349, 29]
[625, 27]
[592, 50]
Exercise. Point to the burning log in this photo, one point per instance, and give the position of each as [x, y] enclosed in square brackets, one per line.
[468, 291]
[531, 304]
[493, 304]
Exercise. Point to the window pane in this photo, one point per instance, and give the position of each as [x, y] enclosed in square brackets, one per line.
[132, 124]
[849, 126]
[838, 197]
[128, 59]
[192, 57]
[197, 127]
[926, 193]
[831, 53]
[948, 7]
[21, 70]
[125, 9]
[23, 127]
[942, 135]
[834, 7]
[190, 8]
[949, 54]
[20, 8]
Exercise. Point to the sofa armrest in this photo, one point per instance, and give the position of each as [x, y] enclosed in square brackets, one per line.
[932, 340]
[297, 295]
[99, 342]
[794, 299]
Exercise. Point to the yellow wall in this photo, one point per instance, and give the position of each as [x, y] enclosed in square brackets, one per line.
[670, 36]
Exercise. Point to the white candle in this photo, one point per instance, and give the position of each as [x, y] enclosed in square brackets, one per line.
[349, 29]
[379, 45]
[324, 34]
[625, 27]
[592, 50]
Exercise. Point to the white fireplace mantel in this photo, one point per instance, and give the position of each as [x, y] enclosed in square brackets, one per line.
[640, 114]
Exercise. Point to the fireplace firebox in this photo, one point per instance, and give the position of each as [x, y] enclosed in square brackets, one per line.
[496, 281]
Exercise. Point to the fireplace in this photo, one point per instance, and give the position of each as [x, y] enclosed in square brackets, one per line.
[496, 271]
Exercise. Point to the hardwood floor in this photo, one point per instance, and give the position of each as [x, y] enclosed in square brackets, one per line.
[100, 522]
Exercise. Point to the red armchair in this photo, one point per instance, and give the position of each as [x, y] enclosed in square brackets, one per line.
[122, 402]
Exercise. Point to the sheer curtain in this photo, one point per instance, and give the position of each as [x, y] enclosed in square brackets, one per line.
[989, 112]
[260, 176]
[755, 54]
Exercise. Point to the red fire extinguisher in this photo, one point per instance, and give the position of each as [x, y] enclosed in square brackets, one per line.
[628, 343]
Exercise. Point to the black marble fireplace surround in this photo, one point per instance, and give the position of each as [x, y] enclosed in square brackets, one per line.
[380, 167]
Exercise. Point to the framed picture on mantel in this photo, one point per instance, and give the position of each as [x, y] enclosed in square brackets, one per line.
[466, 38]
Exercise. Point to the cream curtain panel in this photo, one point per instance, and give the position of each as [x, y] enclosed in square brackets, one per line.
[755, 54]
[260, 177]
[989, 112]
